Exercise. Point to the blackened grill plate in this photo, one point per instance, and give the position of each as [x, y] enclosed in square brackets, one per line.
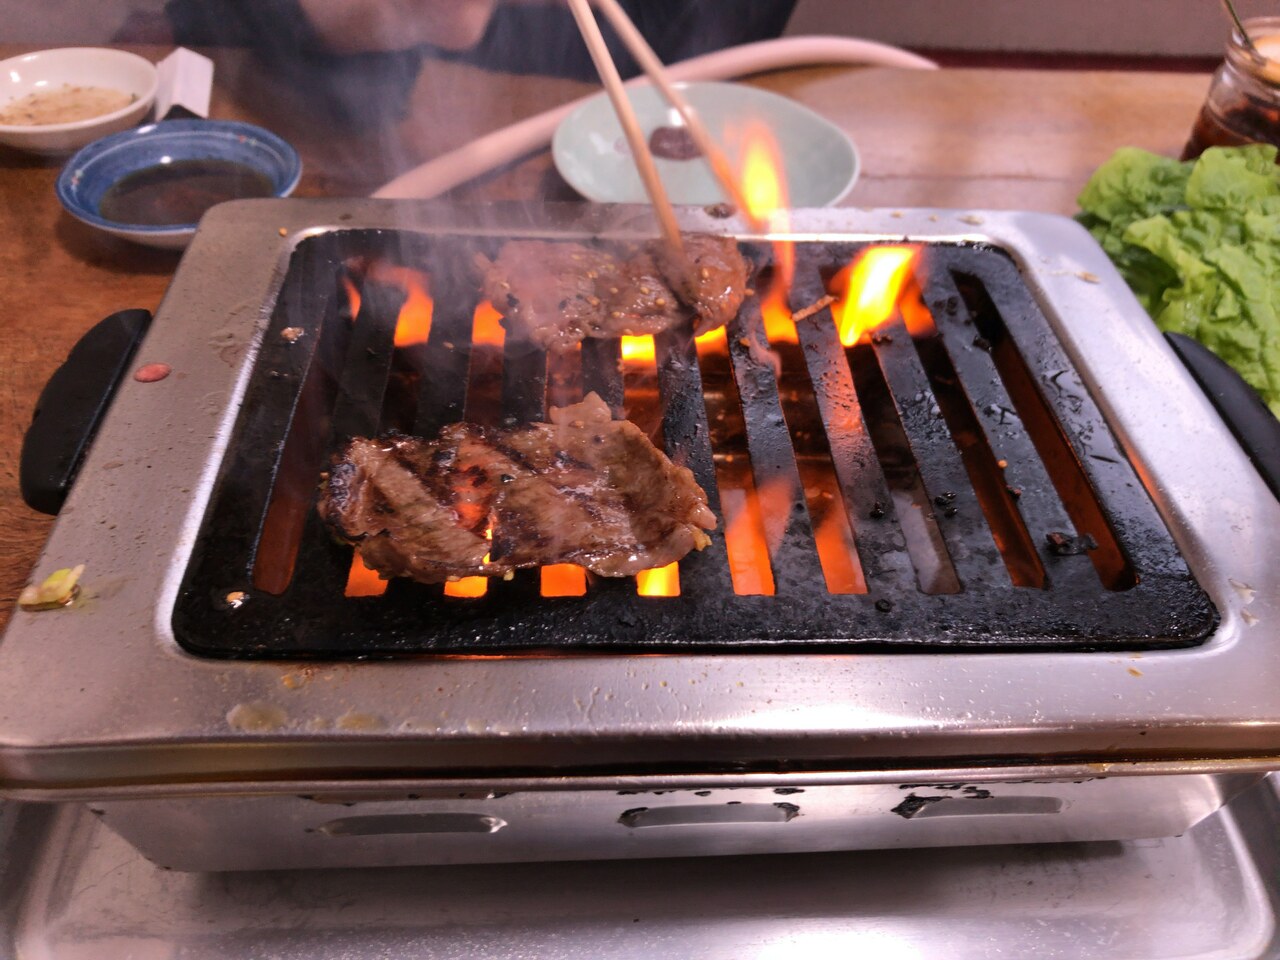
[982, 311]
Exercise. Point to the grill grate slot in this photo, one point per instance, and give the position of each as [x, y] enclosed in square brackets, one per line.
[832, 528]
[1075, 481]
[1023, 474]
[788, 532]
[984, 473]
[322, 565]
[600, 374]
[442, 392]
[881, 548]
[524, 400]
[275, 497]
[704, 402]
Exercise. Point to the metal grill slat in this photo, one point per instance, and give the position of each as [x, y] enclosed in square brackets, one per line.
[442, 394]
[1041, 508]
[688, 443]
[956, 510]
[773, 464]
[881, 547]
[524, 383]
[600, 373]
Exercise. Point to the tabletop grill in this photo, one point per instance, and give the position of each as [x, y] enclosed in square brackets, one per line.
[969, 585]
[990, 506]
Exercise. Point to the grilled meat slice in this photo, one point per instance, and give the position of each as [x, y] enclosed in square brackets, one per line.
[583, 489]
[711, 278]
[556, 293]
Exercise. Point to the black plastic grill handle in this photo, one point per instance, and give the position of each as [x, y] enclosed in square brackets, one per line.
[1248, 418]
[72, 405]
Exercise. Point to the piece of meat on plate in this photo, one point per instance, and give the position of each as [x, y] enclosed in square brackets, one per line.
[557, 293]
[484, 501]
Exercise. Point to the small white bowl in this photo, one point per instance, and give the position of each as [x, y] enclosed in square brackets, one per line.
[75, 66]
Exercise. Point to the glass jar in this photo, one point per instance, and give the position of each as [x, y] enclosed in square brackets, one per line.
[1243, 104]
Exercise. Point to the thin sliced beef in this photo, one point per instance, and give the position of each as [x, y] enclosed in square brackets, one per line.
[482, 501]
[711, 278]
[557, 293]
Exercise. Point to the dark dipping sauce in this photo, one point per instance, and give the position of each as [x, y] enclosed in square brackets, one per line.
[673, 143]
[170, 194]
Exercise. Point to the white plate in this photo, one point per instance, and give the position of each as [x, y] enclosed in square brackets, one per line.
[590, 151]
[76, 66]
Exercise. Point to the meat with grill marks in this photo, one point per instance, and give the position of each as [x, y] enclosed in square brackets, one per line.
[557, 293]
[485, 501]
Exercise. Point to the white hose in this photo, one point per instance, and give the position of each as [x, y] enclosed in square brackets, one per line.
[510, 143]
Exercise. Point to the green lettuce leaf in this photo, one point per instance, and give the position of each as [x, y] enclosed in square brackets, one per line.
[1199, 243]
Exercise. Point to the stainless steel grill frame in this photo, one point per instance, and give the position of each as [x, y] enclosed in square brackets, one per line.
[98, 701]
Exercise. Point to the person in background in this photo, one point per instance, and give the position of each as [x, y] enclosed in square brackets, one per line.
[360, 58]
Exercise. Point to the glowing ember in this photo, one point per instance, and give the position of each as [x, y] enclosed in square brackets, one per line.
[563, 580]
[486, 325]
[638, 350]
[870, 290]
[659, 582]
[712, 340]
[837, 552]
[749, 566]
[363, 582]
[467, 587]
[471, 586]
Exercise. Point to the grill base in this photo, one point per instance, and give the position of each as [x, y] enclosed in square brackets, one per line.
[373, 828]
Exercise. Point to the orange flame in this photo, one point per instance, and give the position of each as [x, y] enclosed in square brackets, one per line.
[363, 582]
[764, 190]
[413, 325]
[486, 325]
[563, 580]
[659, 582]
[870, 289]
[638, 350]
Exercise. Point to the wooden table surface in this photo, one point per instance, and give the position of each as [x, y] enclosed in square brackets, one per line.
[953, 138]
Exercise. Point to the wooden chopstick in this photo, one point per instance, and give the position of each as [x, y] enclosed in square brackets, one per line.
[654, 69]
[609, 75]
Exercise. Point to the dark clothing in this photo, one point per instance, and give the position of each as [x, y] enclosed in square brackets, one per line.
[368, 87]
[545, 39]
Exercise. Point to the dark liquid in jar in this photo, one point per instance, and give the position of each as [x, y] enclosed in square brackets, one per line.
[170, 194]
[1251, 123]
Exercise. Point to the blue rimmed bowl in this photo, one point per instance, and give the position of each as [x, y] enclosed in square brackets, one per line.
[98, 167]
